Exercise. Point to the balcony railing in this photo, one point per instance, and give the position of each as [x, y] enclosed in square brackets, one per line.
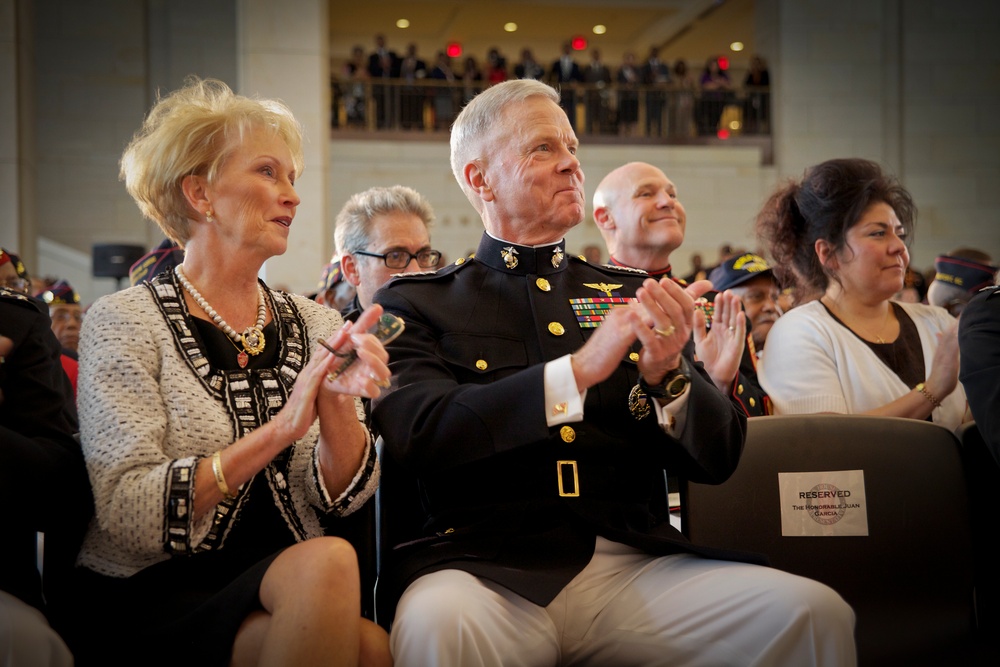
[662, 114]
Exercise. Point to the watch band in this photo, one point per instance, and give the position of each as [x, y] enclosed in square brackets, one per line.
[673, 385]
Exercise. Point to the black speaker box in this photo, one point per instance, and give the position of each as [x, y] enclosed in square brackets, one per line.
[113, 260]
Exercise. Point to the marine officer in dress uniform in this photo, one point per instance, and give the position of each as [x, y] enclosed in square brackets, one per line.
[43, 481]
[979, 373]
[537, 400]
[642, 220]
[979, 347]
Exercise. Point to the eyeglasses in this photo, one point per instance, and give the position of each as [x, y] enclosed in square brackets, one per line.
[397, 258]
[16, 284]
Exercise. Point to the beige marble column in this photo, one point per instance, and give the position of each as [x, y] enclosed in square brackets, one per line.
[283, 52]
[17, 228]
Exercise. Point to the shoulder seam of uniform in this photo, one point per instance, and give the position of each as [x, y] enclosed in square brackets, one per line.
[611, 267]
[431, 275]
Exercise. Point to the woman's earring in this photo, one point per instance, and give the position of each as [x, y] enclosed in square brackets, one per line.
[208, 216]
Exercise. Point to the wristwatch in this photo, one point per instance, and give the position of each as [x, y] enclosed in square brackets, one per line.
[673, 385]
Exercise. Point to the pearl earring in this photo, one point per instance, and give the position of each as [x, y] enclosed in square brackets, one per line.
[208, 215]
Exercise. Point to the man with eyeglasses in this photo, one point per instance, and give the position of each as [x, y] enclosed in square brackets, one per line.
[380, 233]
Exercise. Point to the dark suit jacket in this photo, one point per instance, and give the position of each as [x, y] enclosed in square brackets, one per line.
[533, 71]
[467, 421]
[655, 74]
[979, 342]
[43, 481]
[556, 73]
[376, 68]
[419, 70]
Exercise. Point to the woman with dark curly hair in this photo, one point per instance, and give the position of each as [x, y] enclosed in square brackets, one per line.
[841, 233]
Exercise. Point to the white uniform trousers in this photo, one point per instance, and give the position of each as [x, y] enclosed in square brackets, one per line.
[26, 640]
[628, 608]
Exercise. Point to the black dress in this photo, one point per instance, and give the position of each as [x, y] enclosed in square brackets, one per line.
[188, 609]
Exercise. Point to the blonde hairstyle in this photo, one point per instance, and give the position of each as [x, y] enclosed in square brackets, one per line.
[192, 131]
[479, 117]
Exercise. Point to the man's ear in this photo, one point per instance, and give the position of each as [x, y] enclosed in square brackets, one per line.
[195, 189]
[349, 265]
[475, 177]
[602, 216]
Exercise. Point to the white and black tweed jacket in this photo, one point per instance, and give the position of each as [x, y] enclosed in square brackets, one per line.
[151, 405]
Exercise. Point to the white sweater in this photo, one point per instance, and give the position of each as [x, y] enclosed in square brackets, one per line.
[815, 364]
[151, 406]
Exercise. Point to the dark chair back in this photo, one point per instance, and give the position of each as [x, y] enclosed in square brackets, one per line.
[909, 579]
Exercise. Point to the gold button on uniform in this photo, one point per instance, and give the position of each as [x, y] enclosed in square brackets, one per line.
[739, 389]
[752, 402]
[633, 356]
[556, 329]
[543, 284]
[460, 260]
[481, 364]
[567, 434]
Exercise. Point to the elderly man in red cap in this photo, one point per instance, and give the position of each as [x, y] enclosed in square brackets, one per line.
[66, 314]
[13, 275]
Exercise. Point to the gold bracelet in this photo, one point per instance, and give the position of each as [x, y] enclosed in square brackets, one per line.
[928, 395]
[220, 479]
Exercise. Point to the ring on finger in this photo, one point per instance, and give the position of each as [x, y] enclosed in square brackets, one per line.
[732, 329]
[666, 333]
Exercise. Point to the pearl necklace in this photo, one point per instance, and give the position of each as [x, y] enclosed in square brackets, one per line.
[252, 338]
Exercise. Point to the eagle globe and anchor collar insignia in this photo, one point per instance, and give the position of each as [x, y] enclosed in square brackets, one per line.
[543, 260]
[509, 256]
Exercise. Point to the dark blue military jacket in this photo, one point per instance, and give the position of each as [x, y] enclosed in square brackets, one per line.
[979, 341]
[466, 420]
[43, 480]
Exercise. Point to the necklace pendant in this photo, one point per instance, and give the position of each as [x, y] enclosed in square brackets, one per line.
[242, 359]
[253, 340]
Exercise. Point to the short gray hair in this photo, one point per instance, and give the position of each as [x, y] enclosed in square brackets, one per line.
[479, 117]
[354, 222]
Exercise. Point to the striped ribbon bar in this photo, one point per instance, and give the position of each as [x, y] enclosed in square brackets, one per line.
[591, 311]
